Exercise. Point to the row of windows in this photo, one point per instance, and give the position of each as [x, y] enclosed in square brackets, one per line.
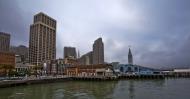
[47, 47]
[45, 19]
[4, 44]
[129, 69]
[45, 33]
[42, 56]
[21, 69]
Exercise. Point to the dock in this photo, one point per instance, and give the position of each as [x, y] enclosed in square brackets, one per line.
[157, 76]
[94, 78]
[13, 83]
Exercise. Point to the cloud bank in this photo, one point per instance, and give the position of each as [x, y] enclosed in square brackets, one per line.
[157, 31]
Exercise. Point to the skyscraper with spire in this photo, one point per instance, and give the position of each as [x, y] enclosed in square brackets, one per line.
[130, 57]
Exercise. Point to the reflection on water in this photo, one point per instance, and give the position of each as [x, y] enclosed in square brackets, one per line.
[124, 89]
[131, 89]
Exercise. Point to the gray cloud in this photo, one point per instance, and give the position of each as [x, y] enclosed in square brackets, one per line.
[158, 31]
[14, 22]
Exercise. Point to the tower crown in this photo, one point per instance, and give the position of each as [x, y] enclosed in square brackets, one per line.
[129, 52]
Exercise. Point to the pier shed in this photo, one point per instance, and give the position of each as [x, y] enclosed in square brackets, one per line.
[89, 70]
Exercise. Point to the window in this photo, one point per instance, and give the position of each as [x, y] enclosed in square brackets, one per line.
[129, 69]
[136, 68]
[121, 69]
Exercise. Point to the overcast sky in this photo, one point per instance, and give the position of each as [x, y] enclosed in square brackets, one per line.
[158, 31]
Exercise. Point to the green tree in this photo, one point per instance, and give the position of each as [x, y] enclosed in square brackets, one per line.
[6, 68]
[38, 68]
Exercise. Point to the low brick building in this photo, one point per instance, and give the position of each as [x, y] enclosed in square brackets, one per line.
[89, 70]
[7, 61]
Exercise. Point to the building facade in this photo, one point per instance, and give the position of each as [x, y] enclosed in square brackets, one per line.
[136, 69]
[7, 62]
[42, 43]
[20, 65]
[20, 50]
[89, 70]
[70, 52]
[98, 51]
[7, 58]
[70, 61]
[4, 42]
[86, 59]
[53, 67]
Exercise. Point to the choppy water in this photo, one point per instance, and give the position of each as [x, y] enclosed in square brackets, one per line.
[124, 89]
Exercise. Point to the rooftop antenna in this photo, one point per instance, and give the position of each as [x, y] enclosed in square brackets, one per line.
[78, 54]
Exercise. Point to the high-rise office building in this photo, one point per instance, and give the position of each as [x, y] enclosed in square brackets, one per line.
[42, 43]
[4, 42]
[98, 51]
[70, 52]
[86, 59]
[130, 57]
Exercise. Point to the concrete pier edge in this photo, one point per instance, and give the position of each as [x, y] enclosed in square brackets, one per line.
[13, 83]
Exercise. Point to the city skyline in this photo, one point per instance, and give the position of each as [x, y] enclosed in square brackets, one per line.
[159, 37]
